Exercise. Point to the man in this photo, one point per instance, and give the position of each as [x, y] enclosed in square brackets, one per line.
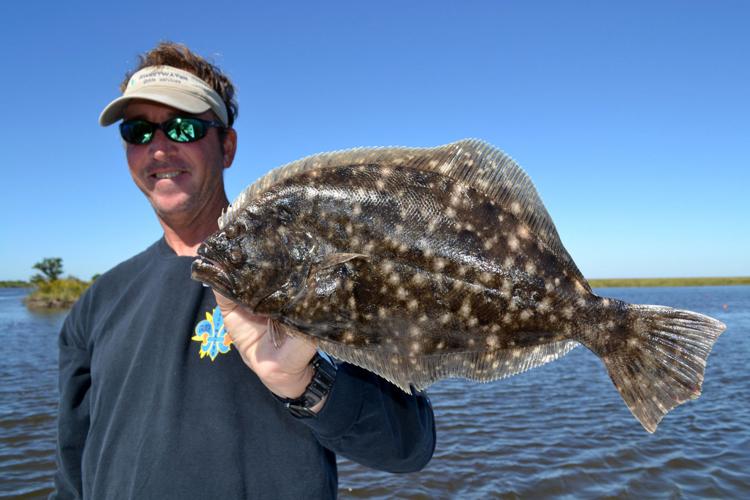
[154, 400]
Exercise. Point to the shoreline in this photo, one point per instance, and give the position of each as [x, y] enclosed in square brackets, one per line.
[63, 294]
[656, 282]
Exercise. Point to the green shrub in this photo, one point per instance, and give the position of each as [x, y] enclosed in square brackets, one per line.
[56, 294]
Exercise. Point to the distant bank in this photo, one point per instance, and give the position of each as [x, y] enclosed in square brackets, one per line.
[646, 282]
[15, 284]
[596, 283]
[63, 293]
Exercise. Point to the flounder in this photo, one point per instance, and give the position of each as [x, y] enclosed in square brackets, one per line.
[420, 264]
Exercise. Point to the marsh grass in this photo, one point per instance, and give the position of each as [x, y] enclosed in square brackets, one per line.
[648, 282]
[15, 284]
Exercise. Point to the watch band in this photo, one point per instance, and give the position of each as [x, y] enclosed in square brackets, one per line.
[323, 377]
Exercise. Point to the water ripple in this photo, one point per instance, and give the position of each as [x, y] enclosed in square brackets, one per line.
[558, 431]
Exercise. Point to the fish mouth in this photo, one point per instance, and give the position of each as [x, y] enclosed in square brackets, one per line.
[211, 273]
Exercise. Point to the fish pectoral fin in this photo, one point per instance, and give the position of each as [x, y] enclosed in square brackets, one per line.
[335, 259]
[277, 331]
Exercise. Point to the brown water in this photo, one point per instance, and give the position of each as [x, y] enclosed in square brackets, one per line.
[557, 431]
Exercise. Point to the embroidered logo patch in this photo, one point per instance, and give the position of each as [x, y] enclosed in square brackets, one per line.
[212, 335]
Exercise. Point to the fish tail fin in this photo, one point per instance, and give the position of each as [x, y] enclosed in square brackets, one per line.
[660, 360]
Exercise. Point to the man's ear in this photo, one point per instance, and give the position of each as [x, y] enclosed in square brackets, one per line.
[229, 146]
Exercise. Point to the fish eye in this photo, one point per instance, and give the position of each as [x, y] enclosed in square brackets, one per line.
[231, 231]
[236, 255]
[235, 229]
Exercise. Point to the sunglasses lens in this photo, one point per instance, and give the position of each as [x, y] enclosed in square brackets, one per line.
[185, 129]
[137, 131]
[177, 129]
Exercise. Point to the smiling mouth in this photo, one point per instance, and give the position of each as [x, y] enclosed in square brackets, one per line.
[167, 175]
[212, 274]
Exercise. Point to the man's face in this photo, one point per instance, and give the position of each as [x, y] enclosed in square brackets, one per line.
[183, 181]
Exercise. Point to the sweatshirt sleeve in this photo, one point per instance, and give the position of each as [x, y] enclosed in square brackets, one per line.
[374, 423]
[73, 412]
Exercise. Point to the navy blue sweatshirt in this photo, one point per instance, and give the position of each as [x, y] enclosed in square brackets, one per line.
[143, 415]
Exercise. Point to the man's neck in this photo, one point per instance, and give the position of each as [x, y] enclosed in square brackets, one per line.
[181, 243]
[185, 236]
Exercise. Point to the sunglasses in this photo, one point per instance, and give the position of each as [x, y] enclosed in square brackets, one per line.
[178, 129]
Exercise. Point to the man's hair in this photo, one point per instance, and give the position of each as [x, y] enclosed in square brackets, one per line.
[179, 56]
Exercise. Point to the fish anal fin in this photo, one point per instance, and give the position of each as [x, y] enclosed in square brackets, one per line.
[420, 372]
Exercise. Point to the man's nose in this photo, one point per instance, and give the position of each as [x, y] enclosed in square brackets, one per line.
[160, 147]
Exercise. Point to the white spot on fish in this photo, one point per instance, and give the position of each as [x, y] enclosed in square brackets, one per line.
[465, 309]
[513, 243]
[418, 279]
[545, 304]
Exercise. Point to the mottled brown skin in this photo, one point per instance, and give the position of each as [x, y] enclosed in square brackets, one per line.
[419, 276]
[446, 269]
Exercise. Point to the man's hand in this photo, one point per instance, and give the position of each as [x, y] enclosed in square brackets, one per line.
[285, 370]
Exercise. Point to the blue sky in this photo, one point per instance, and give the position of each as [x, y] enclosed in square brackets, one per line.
[630, 117]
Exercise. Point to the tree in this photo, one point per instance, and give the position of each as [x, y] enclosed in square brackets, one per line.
[51, 268]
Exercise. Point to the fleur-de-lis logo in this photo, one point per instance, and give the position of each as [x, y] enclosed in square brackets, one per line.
[212, 335]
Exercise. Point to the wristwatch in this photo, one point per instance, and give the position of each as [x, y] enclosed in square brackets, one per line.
[323, 376]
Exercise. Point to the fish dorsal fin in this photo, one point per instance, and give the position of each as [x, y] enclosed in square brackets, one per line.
[476, 163]
[496, 175]
[421, 372]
